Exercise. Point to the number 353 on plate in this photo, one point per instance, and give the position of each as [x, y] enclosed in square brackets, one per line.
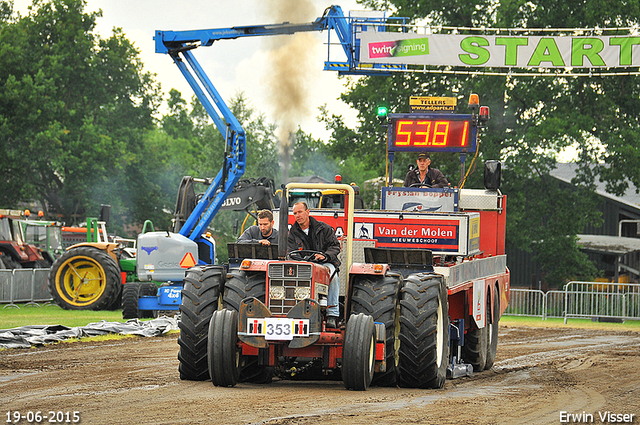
[278, 328]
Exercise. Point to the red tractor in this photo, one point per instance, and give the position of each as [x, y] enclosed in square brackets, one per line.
[272, 321]
[15, 253]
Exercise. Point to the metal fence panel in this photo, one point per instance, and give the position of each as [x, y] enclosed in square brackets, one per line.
[40, 285]
[24, 286]
[22, 281]
[525, 302]
[5, 285]
[554, 304]
[597, 299]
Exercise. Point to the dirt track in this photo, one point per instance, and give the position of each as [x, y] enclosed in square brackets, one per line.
[539, 373]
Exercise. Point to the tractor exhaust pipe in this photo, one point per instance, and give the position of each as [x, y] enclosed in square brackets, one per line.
[283, 224]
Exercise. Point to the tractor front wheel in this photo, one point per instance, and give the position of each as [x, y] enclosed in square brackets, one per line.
[241, 285]
[85, 278]
[359, 352]
[223, 353]
[378, 296]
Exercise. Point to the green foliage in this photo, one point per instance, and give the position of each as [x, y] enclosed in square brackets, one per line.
[74, 108]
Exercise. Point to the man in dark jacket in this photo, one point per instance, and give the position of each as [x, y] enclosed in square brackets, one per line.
[425, 175]
[310, 234]
[264, 233]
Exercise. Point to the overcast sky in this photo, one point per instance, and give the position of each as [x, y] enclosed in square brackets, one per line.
[241, 65]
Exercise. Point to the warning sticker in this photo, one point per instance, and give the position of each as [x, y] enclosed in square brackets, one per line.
[187, 261]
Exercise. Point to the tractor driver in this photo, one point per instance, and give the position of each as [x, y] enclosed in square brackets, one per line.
[310, 234]
[264, 233]
[425, 175]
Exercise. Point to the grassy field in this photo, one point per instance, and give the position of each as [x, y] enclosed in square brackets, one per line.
[54, 315]
[629, 325]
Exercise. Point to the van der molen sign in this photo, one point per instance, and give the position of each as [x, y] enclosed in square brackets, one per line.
[501, 51]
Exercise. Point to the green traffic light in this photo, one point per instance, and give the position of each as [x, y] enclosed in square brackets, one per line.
[382, 111]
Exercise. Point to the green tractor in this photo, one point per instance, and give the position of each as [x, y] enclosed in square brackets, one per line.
[90, 275]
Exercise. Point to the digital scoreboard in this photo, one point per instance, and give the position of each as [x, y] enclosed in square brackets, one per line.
[432, 133]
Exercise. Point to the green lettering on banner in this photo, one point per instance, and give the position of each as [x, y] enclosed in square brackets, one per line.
[511, 48]
[473, 46]
[626, 46]
[546, 51]
[589, 48]
[412, 47]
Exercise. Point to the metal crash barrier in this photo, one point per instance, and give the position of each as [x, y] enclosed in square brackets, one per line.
[590, 300]
[24, 286]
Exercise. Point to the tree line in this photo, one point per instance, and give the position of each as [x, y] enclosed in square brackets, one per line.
[81, 125]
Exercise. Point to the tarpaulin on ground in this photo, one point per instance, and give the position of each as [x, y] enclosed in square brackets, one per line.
[27, 336]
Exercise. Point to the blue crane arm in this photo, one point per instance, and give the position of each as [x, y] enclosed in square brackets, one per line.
[167, 41]
[179, 45]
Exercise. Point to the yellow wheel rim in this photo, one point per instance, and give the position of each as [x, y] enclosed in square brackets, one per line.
[80, 281]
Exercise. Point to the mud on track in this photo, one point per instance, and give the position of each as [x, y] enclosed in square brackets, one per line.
[539, 373]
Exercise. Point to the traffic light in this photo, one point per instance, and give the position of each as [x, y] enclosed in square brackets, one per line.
[382, 114]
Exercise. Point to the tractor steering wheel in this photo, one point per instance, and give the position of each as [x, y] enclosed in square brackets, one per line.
[420, 185]
[305, 255]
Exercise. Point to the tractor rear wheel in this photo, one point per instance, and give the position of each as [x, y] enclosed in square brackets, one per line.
[223, 354]
[85, 278]
[358, 352]
[378, 296]
[240, 285]
[492, 333]
[200, 296]
[424, 332]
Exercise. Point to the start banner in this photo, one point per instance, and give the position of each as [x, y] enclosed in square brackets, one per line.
[500, 51]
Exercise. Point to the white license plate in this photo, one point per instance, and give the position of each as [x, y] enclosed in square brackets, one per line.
[278, 328]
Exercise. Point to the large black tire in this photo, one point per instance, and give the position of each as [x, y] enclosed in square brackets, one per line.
[476, 345]
[358, 352]
[85, 278]
[130, 296]
[424, 332]
[223, 353]
[131, 293]
[116, 304]
[378, 296]
[240, 285]
[492, 343]
[200, 296]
